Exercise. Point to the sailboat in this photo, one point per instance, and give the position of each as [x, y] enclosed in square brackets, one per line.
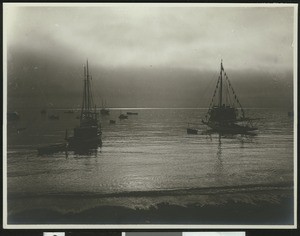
[226, 115]
[88, 133]
[104, 110]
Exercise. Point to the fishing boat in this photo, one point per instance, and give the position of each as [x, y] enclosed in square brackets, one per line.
[131, 113]
[191, 131]
[123, 116]
[88, 133]
[104, 110]
[226, 114]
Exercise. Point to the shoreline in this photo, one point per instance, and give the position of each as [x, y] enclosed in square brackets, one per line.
[247, 209]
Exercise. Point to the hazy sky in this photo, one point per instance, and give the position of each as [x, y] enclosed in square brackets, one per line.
[149, 55]
[136, 35]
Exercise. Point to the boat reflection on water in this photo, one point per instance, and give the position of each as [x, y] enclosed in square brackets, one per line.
[85, 152]
[229, 135]
[221, 169]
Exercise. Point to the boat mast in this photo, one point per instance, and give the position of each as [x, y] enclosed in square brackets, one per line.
[88, 87]
[86, 101]
[221, 85]
[84, 94]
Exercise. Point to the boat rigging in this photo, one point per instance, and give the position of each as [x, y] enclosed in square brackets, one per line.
[88, 134]
[225, 113]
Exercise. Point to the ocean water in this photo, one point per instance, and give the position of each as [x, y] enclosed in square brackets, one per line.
[147, 160]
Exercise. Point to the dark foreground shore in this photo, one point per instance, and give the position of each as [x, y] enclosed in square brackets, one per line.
[233, 213]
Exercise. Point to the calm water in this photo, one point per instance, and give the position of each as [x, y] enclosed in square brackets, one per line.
[147, 153]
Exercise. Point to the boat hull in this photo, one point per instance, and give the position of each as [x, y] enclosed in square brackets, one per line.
[123, 117]
[191, 131]
[85, 138]
[54, 148]
[79, 143]
[230, 128]
[104, 112]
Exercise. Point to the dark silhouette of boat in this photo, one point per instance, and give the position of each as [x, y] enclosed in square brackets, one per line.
[191, 131]
[13, 116]
[54, 148]
[131, 113]
[112, 121]
[123, 116]
[104, 111]
[88, 134]
[226, 115]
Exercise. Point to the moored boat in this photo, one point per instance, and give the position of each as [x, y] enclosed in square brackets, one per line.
[191, 131]
[131, 113]
[226, 115]
[112, 121]
[123, 116]
[88, 134]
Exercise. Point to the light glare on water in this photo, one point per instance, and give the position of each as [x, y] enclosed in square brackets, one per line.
[149, 152]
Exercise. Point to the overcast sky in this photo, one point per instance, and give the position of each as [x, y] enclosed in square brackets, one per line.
[149, 55]
[139, 36]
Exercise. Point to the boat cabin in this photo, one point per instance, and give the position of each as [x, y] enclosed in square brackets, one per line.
[223, 114]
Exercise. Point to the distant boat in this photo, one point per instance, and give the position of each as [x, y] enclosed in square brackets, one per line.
[53, 117]
[225, 117]
[112, 121]
[131, 113]
[88, 134]
[104, 110]
[191, 131]
[123, 116]
[13, 116]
